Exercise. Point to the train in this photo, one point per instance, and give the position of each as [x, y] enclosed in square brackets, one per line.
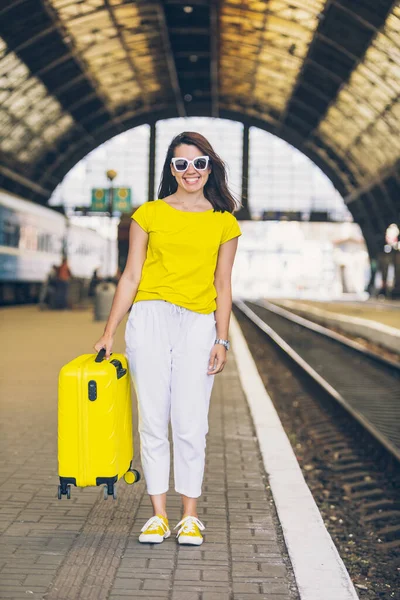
[33, 238]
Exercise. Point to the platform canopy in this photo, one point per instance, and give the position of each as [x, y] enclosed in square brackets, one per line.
[322, 74]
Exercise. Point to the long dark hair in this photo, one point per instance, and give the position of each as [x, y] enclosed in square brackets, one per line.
[216, 189]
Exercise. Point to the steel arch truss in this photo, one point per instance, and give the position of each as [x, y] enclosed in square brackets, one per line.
[322, 74]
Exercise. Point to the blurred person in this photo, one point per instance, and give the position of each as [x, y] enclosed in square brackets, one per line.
[47, 289]
[371, 289]
[178, 282]
[96, 279]
[62, 284]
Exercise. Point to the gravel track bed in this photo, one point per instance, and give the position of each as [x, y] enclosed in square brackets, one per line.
[356, 488]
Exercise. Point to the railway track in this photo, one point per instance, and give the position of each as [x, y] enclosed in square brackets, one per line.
[364, 383]
[349, 455]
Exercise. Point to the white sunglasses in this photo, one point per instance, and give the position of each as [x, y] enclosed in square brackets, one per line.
[182, 164]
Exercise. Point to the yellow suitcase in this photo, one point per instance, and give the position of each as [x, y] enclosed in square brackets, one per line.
[95, 445]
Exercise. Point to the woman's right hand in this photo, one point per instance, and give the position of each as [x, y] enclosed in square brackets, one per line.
[106, 341]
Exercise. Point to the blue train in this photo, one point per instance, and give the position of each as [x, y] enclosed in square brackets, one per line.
[32, 239]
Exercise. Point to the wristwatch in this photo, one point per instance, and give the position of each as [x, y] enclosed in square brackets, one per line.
[225, 343]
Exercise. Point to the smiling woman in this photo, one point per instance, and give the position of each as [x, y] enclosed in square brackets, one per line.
[192, 165]
[181, 252]
[181, 166]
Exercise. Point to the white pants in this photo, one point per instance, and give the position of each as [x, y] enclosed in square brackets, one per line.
[168, 349]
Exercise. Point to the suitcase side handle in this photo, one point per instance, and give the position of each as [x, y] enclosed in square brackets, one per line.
[118, 365]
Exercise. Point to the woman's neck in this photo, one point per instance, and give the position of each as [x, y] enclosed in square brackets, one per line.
[193, 199]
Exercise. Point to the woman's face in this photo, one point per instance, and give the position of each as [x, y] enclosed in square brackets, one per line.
[190, 180]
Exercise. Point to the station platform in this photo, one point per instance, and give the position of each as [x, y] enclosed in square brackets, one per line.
[87, 547]
[377, 321]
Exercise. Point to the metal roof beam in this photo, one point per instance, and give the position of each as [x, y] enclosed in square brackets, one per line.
[128, 56]
[393, 171]
[25, 181]
[340, 34]
[214, 51]
[53, 170]
[188, 2]
[189, 31]
[33, 54]
[173, 75]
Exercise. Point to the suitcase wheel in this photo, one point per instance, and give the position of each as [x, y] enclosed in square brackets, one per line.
[67, 492]
[107, 492]
[131, 476]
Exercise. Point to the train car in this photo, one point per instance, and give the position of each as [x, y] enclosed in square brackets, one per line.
[31, 241]
[33, 238]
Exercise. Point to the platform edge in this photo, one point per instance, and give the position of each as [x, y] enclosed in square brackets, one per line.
[374, 331]
[319, 570]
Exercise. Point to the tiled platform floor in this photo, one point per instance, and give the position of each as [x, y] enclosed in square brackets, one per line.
[87, 548]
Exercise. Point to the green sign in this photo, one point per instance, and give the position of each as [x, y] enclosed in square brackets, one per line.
[121, 199]
[99, 199]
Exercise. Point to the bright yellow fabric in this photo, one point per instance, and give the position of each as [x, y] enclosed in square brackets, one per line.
[182, 254]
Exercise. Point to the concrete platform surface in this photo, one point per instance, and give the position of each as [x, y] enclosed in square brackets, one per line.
[86, 547]
[379, 311]
[375, 321]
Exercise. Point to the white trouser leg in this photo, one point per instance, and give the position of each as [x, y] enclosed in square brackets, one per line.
[168, 349]
[149, 356]
[191, 389]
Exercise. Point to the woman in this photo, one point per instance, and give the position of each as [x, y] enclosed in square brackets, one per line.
[178, 275]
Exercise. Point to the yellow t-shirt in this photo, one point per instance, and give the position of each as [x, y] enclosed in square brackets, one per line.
[182, 254]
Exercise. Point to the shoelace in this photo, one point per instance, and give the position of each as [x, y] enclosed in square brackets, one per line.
[188, 525]
[153, 523]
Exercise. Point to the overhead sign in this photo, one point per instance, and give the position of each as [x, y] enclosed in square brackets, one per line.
[99, 199]
[122, 199]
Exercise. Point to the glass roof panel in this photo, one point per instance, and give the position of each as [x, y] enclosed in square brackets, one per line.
[364, 121]
[30, 119]
[263, 47]
[113, 42]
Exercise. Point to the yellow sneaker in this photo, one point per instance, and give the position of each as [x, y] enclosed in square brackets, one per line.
[189, 533]
[155, 530]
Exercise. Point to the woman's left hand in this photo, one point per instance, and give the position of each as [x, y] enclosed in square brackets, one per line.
[217, 359]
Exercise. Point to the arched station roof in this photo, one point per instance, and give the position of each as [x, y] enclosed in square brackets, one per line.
[322, 74]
